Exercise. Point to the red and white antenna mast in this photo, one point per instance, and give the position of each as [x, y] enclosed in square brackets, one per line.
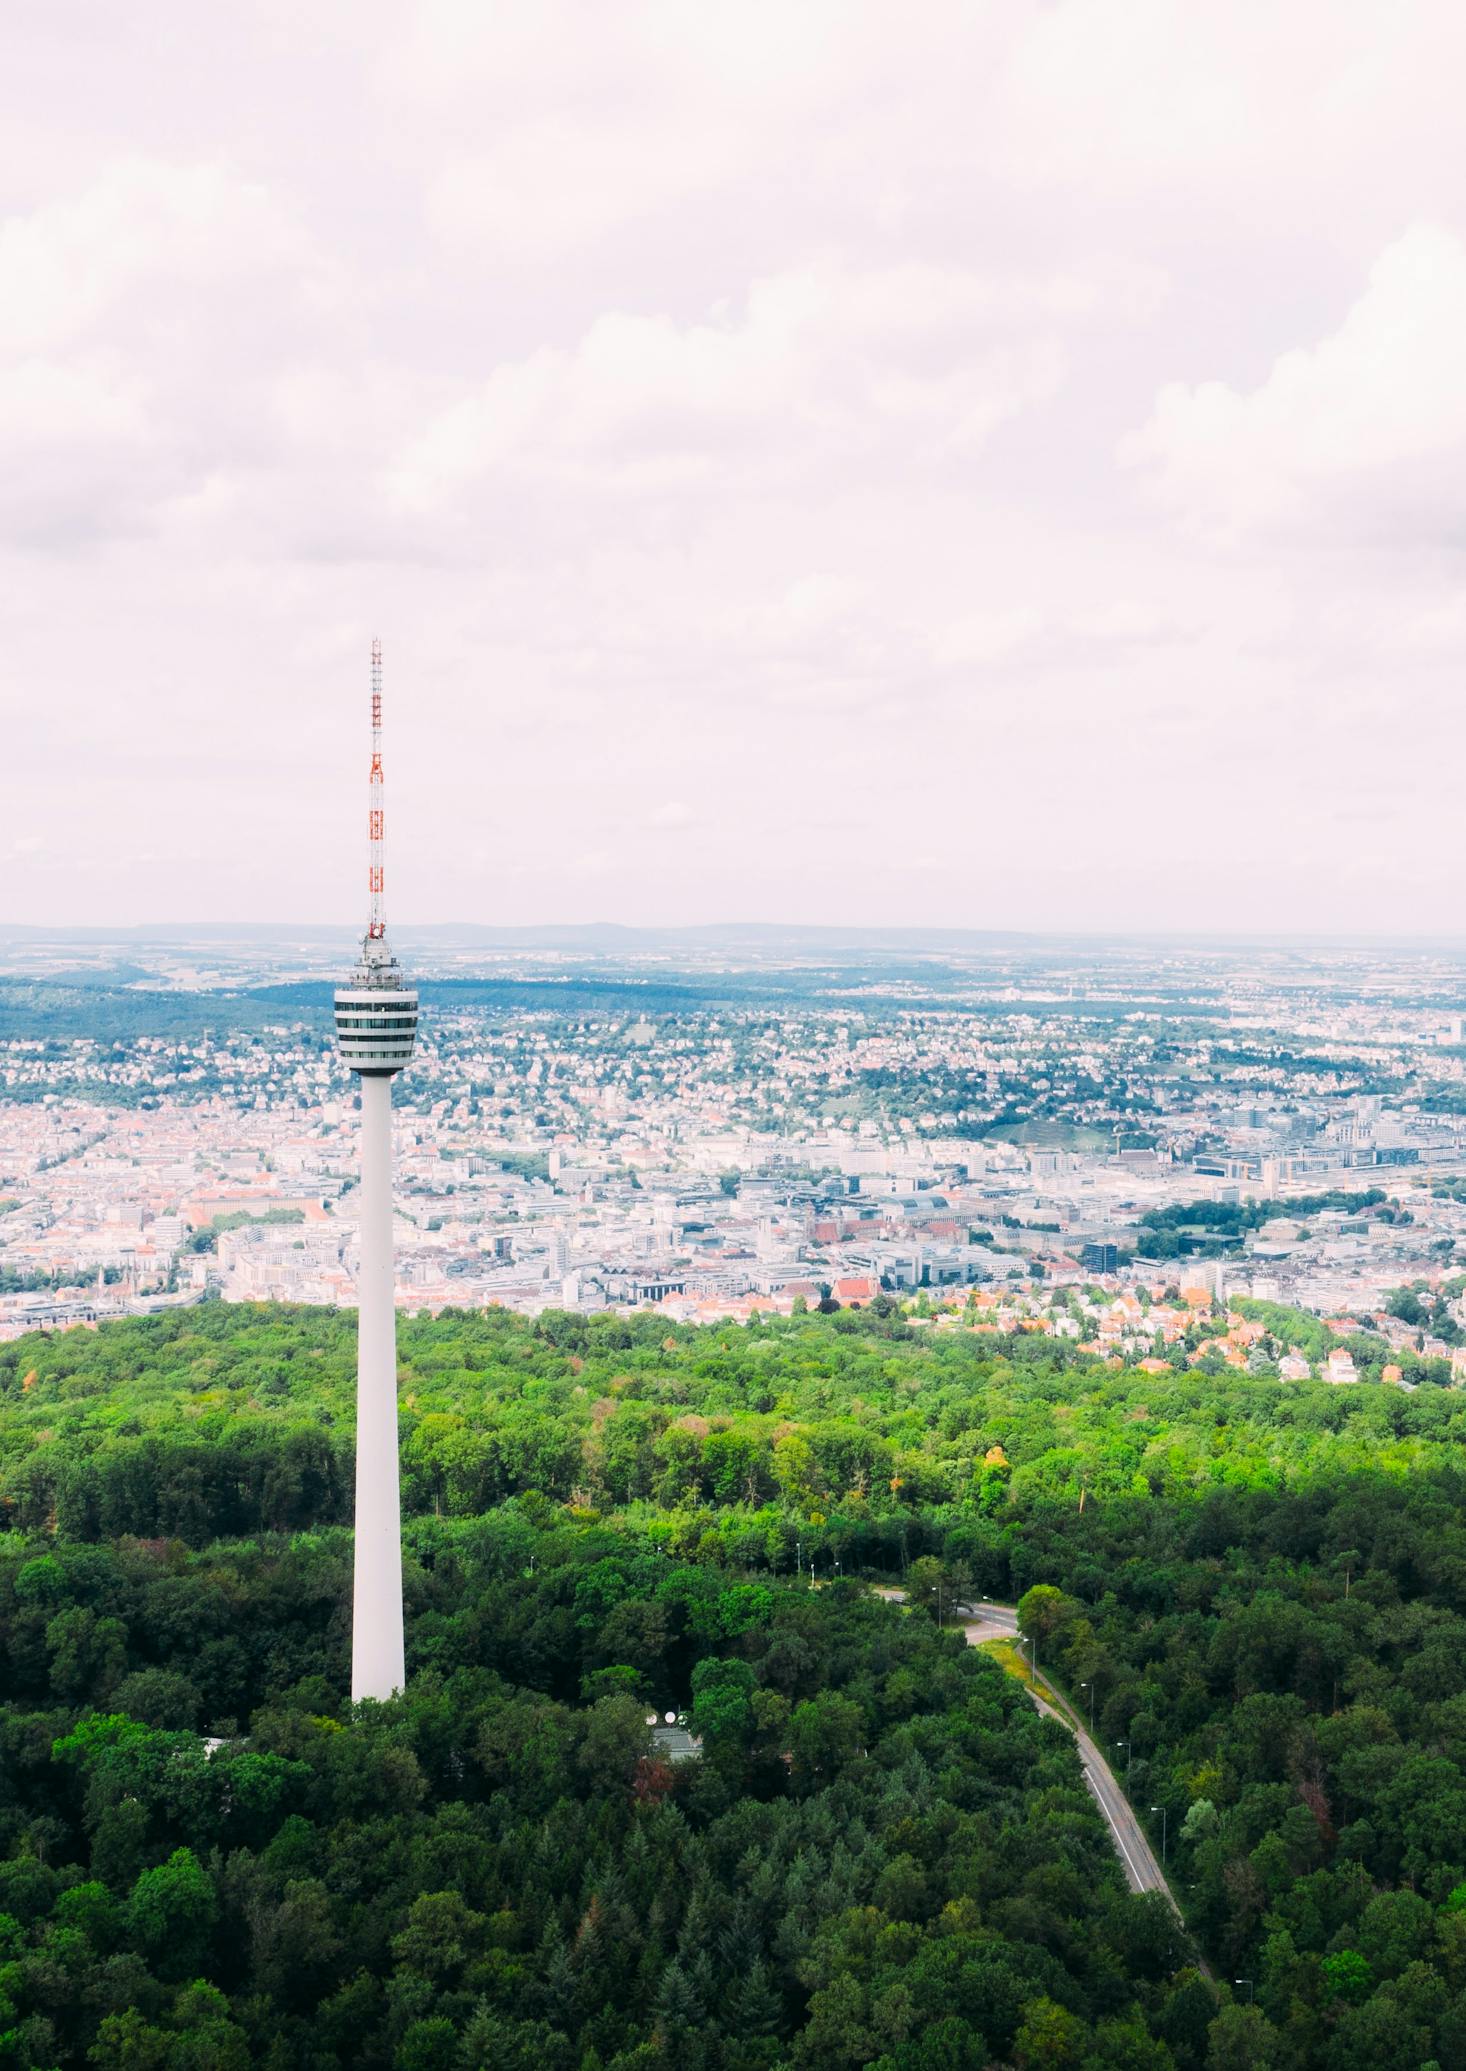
[377, 921]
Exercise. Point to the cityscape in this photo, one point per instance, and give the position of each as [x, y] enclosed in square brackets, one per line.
[1007, 1134]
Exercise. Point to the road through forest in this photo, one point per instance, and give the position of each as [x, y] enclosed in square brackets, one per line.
[1000, 1622]
[986, 1621]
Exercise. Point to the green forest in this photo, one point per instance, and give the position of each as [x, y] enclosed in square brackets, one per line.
[884, 1856]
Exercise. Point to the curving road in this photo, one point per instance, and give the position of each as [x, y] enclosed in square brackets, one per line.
[1000, 1621]
[988, 1621]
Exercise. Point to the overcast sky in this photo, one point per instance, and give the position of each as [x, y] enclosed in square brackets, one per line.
[990, 464]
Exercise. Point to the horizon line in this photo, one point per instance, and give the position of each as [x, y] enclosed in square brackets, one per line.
[926, 931]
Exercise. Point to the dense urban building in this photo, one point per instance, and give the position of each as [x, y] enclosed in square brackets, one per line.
[711, 1142]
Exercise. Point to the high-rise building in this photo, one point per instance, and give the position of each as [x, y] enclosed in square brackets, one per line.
[376, 1022]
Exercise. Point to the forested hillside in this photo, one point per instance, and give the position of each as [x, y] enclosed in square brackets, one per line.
[884, 1856]
[225, 1419]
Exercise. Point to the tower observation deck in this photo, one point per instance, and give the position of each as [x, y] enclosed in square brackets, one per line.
[376, 1014]
[376, 1026]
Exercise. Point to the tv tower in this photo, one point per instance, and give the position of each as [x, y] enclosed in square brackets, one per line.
[376, 1021]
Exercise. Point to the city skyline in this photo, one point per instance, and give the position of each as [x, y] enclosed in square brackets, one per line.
[713, 1144]
[1000, 469]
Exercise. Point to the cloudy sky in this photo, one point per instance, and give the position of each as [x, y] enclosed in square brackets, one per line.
[963, 461]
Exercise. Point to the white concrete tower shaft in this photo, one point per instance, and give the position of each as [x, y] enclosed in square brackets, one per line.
[376, 1023]
[376, 1623]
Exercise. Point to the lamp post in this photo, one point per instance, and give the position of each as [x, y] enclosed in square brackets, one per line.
[1129, 1758]
[1251, 1988]
[1162, 1811]
[1090, 1687]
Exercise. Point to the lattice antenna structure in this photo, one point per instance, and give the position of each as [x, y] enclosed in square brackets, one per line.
[376, 873]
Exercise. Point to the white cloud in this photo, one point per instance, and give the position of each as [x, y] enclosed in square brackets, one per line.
[821, 366]
[1440, 628]
[142, 230]
[1271, 113]
[708, 399]
[547, 188]
[1127, 622]
[549, 130]
[982, 639]
[138, 320]
[1365, 430]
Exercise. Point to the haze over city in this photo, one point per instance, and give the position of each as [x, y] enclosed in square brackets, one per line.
[988, 467]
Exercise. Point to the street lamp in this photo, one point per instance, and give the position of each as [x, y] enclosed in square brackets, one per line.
[1251, 1988]
[1162, 1811]
[1090, 1687]
[1129, 1758]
